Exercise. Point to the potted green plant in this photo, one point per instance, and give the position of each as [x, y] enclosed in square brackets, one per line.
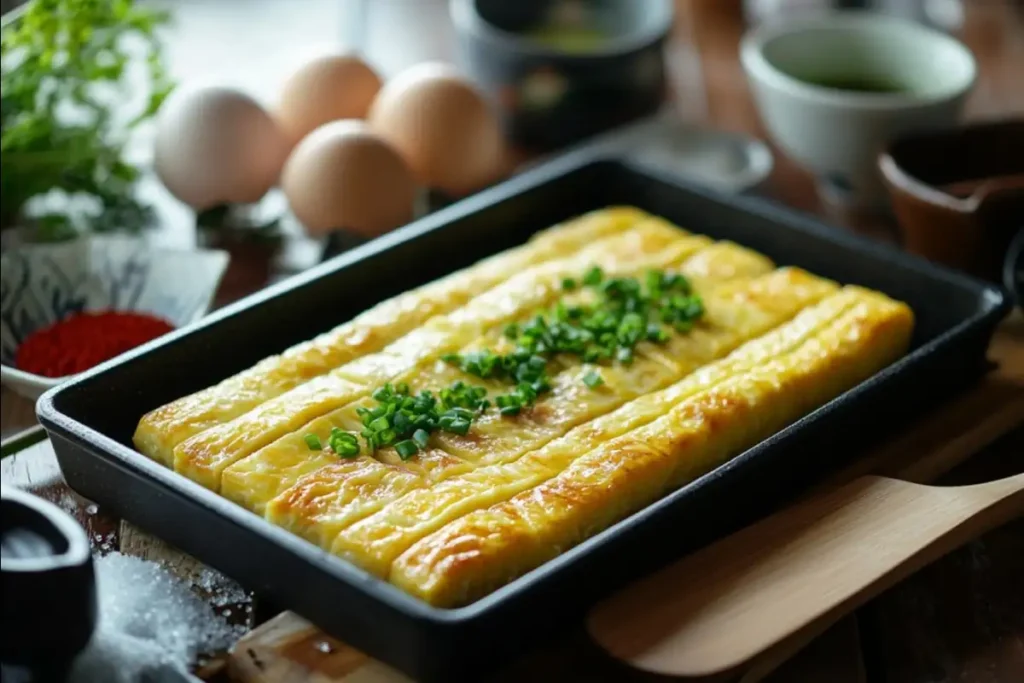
[69, 67]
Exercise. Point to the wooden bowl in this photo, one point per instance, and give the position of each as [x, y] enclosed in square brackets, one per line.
[959, 194]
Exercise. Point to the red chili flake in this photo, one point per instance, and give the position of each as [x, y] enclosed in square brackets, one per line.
[83, 340]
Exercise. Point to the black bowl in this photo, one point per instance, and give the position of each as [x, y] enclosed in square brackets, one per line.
[49, 589]
[554, 94]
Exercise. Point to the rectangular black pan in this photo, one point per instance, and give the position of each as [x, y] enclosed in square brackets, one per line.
[91, 419]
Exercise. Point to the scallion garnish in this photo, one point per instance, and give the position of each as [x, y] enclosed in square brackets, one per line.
[405, 421]
[406, 449]
[593, 276]
[345, 444]
[626, 313]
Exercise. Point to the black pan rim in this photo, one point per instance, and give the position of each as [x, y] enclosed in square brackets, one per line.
[992, 306]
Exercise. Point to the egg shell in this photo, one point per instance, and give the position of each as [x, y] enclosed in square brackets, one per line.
[215, 145]
[343, 176]
[442, 126]
[327, 88]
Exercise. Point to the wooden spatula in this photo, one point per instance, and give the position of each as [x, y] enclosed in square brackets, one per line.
[788, 577]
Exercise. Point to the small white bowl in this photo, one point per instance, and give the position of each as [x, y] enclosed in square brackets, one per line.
[41, 284]
[837, 133]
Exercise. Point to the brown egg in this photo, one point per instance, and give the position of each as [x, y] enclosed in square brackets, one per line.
[342, 176]
[327, 88]
[215, 146]
[442, 126]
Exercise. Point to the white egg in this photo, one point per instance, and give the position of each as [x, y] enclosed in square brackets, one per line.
[216, 145]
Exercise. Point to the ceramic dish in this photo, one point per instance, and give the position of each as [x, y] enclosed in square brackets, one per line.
[959, 193]
[834, 89]
[565, 70]
[41, 284]
[49, 586]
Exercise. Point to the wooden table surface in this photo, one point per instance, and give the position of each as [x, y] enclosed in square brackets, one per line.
[960, 620]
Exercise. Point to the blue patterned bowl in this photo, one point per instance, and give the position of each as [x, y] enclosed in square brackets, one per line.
[42, 284]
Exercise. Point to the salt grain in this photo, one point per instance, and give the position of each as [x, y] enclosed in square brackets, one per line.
[219, 589]
[152, 626]
[67, 502]
[104, 543]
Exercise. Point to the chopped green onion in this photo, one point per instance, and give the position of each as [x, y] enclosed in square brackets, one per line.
[406, 449]
[655, 278]
[406, 421]
[627, 311]
[343, 443]
[655, 333]
[313, 441]
[593, 276]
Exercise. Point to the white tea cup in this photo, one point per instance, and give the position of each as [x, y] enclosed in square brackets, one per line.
[834, 89]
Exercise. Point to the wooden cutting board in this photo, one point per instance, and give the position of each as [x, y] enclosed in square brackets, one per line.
[773, 586]
[289, 648]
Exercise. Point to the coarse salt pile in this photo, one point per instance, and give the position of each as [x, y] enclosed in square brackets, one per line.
[152, 626]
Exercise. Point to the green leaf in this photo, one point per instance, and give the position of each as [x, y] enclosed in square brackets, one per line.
[70, 55]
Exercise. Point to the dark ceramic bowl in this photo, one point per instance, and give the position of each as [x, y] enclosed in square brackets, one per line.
[49, 590]
[602, 66]
[959, 194]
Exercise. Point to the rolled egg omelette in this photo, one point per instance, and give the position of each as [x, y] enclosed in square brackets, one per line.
[455, 437]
